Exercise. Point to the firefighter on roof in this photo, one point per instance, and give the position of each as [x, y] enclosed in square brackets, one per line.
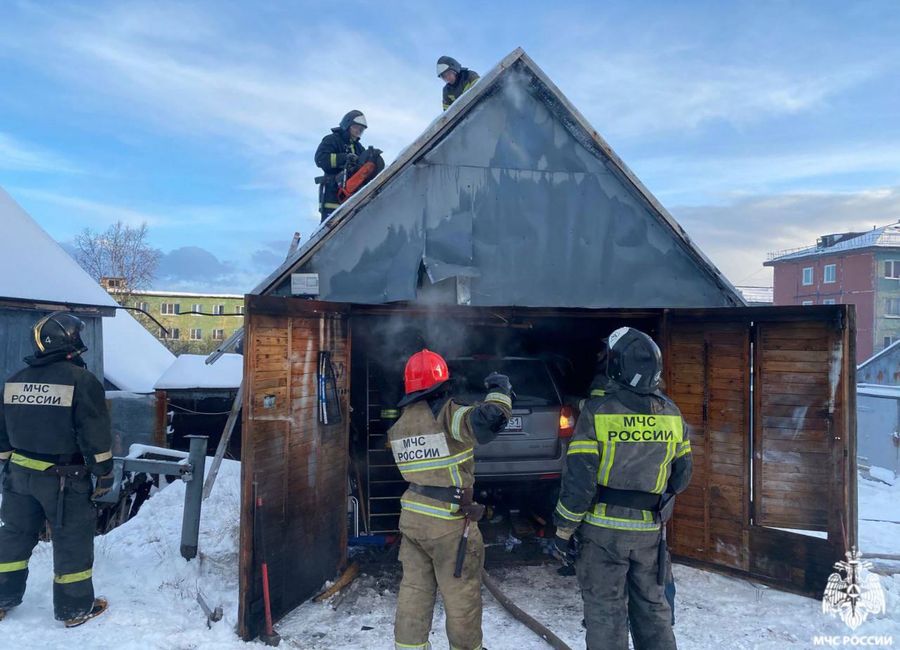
[629, 456]
[433, 445]
[346, 163]
[54, 433]
[456, 78]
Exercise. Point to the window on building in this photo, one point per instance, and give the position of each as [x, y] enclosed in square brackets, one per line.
[197, 307]
[170, 308]
[219, 310]
[807, 302]
[218, 335]
[808, 275]
[828, 301]
[888, 340]
[174, 334]
[145, 306]
[196, 334]
[830, 273]
[239, 309]
[892, 269]
[892, 306]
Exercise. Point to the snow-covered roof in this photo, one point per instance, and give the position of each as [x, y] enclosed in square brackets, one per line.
[133, 359]
[884, 237]
[877, 390]
[186, 294]
[892, 347]
[757, 295]
[192, 371]
[35, 268]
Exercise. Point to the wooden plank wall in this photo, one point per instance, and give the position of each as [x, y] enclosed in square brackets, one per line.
[707, 369]
[297, 465]
[802, 435]
[795, 404]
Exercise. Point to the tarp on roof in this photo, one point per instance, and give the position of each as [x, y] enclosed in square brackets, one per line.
[35, 268]
[192, 371]
[512, 189]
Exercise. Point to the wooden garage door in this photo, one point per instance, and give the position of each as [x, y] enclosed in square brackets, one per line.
[291, 459]
[709, 375]
[774, 488]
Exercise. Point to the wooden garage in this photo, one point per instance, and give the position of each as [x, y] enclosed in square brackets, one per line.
[767, 392]
[510, 222]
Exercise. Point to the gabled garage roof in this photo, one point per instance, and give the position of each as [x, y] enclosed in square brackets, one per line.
[512, 188]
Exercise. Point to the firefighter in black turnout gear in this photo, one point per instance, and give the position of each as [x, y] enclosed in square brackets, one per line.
[54, 433]
[457, 79]
[346, 163]
[628, 457]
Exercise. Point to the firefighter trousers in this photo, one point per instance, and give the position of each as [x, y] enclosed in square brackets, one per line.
[30, 498]
[428, 554]
[617, 571]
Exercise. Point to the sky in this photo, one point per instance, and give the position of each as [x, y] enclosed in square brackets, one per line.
[758, 125]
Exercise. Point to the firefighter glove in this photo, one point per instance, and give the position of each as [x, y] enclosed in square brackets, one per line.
[103, 485]
[497, 382]
[563, 550]
[352, 160]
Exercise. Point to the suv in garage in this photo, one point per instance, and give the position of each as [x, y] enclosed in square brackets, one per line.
[533, 445]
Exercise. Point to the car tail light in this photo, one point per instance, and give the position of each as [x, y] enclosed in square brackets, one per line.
[566, 422]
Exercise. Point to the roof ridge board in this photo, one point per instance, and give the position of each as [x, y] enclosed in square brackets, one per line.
[435, 131]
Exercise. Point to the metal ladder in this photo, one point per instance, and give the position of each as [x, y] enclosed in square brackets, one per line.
[384, 484]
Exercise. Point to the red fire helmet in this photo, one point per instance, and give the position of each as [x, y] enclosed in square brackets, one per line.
[424, 370]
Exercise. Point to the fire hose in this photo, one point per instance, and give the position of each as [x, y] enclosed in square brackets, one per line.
[523, 617]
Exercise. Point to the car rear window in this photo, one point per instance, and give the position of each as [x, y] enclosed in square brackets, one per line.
[530, 379]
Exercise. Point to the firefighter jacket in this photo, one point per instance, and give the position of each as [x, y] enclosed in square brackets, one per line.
[623, 441]
[464, 80]
[331, 158]
[54, 413]
[439, 450]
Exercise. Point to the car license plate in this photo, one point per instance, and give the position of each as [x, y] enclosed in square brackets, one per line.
[514, 423]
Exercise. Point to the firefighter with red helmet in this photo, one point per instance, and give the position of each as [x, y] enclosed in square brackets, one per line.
[433, 444]
[54, 434]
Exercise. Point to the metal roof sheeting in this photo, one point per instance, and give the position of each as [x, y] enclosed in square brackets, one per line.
[512, 189]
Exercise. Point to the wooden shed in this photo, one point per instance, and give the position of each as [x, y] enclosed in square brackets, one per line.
[442, 243]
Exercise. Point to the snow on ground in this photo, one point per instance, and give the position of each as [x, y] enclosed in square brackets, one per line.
[152, 593]
[879, 513]
[151, 588]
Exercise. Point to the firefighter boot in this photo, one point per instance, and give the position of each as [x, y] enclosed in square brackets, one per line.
[100, 605]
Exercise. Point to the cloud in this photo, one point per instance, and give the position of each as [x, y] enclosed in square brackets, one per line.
[270, 258]
[93, 212]
[737, 237]
[642, 94]
[19, 156]
[733, 175]
[195, 269]
[197, 75]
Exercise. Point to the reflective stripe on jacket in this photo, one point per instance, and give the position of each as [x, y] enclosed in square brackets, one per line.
[619, 447]
[464, 80]
[437, 451]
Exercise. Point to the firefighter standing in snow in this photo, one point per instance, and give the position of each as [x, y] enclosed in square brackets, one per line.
[54, 433]
[340, 155]
[628, 457]
[433, 445]
[457, 79]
